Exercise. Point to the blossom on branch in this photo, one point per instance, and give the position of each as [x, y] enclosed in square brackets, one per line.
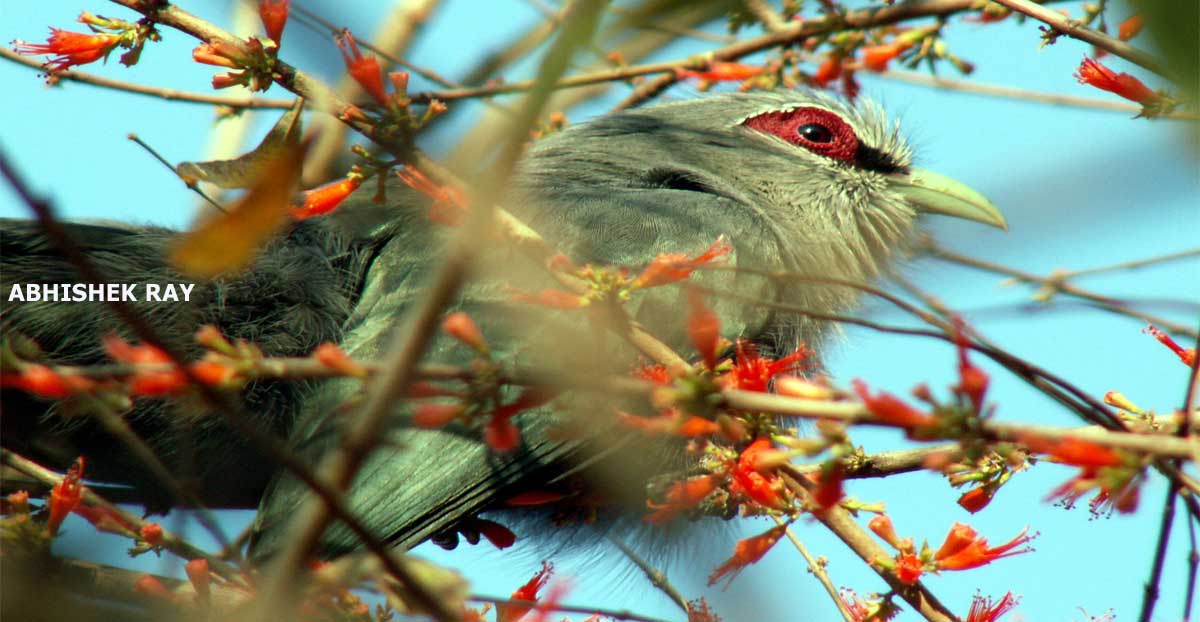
[672, 267]
[1130, 28]
[964, 549]
[1186, 355]
[325, 199]
[753, 372]
[746, 552]
[69, 49]
[984, 609]
[1154, 104]
[274, 14]
[890, 409]
[718, 71]
[681, 497]
[449, 205]
[528, 592]
[364, 69]
[65, 497]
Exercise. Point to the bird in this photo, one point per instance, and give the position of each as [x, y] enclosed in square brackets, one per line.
[800, 183]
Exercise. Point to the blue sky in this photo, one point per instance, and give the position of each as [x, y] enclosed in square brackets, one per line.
[1080, 188]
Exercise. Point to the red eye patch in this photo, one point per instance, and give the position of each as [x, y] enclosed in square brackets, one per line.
[817, 130]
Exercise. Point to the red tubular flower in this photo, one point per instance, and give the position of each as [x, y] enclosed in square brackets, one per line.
[1188, 356]
[552, 299]
[325, 199]
[529, 592]
[213, 373]
[501, 434]
[973, 382]
[681, 497]
[829, 486]
[890, 409]
[145, 383]
[1074, 452]
[908, 568]
[672, 267]
[882, 526]
[17, 502]
[704, 328]
[500, 536]
[334, 357]
[829, 70]
[42, 381]
[964, 548]
[151, 586]
[448, 205]
[753, 372]
[1130, 28]
[877, 57]
[746, 552]
[976, 499]
[1123, 84]
[65, 496]
[722, 72]
[671, 422]
[762, 488]
[432, 416]
[219, 54]
[984, 610]
[364, 69]
[70, 48]
[274, 14]
[658, 374]
[197, 572]
[460, 326]
[152, 533]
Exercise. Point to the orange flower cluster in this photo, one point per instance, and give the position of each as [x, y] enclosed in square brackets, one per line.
[750, 479]
[962, 549]
[1115, 475]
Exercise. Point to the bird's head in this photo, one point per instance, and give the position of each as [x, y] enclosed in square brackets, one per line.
[801, 182]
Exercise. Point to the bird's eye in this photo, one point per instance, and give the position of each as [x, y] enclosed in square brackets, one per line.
[814, 133]
[815, 129]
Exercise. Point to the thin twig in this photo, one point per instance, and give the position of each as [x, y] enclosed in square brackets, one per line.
[1150, 591]
[190, 183]
[1058, 284]
[656, 577]
[839, 521]
[1010, 92]
[1078, 30]
[818, 570]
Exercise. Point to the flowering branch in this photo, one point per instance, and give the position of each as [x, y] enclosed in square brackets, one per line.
[169, 541]
[159, 92]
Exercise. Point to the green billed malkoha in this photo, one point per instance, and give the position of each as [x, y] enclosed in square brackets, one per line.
[801, 184]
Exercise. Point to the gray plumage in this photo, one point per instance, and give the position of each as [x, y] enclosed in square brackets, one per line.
[614, 191]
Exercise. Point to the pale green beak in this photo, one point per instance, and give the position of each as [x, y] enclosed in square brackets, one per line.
[938, 194]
